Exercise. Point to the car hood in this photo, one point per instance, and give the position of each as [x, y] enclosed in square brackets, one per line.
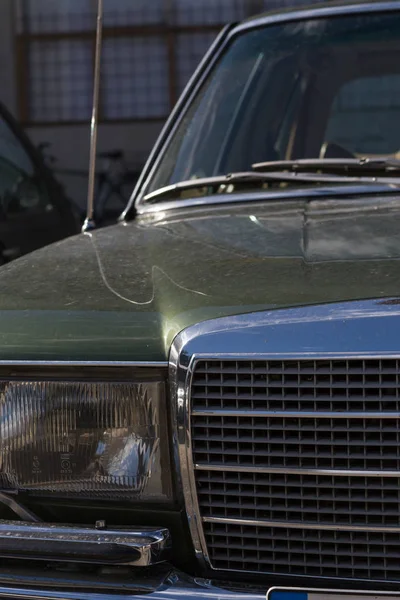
[124, 292]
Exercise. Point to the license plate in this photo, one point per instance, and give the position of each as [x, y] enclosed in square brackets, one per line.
[321, 594]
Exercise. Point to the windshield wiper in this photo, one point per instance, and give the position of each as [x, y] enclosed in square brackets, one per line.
[224, 184]
[352, 166]
[233, 182]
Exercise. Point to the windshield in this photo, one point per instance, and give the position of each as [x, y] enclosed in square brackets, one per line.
[321, 88]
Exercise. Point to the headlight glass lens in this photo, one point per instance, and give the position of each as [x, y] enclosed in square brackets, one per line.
[105, 440]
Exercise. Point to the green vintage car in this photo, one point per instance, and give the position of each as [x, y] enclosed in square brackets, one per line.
[203, 400]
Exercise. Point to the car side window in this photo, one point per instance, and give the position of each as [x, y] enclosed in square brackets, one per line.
[20, 191]
[365, 116]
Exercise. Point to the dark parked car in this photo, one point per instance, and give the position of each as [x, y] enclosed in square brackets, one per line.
[203, 401]
[34, 210]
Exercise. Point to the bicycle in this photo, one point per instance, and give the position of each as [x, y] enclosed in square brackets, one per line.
[115, 180]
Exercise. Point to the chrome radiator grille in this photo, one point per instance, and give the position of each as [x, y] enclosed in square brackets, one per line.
[297, 465]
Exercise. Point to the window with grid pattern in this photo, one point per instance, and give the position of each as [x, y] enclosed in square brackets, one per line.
[135, 78]
[151, 48]
[60, 80]
[52, 16]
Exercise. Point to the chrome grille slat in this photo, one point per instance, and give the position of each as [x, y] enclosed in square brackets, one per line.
[325, 386]
[318, 511]
[224, 467]
[269, 414]
[276, 440]
[297, 525]
[258, 424]
[297, 465]
[237, 401]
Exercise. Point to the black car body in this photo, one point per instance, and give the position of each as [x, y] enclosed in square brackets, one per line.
[34, 209]
[202, 401]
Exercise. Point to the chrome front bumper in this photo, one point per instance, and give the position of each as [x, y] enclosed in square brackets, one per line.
[175, 586]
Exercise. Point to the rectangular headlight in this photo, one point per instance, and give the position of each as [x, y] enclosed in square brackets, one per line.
[103, 440]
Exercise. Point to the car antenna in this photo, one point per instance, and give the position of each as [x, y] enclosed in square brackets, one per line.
[89, 223]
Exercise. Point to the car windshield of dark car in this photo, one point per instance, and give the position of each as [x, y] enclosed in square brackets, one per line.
[320, 88]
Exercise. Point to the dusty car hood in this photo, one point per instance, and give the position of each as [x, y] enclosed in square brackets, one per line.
[124, 292]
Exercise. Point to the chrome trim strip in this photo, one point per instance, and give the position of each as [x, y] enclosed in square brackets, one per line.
[80, 363]
[62, 543]
[289, 414]
[346, 327]
[172, 192]
[294, 471]
[298, 525]
[298, 14]
[284, 195]
[183, 454]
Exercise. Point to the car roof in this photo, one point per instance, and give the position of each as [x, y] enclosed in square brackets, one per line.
[308, 7]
